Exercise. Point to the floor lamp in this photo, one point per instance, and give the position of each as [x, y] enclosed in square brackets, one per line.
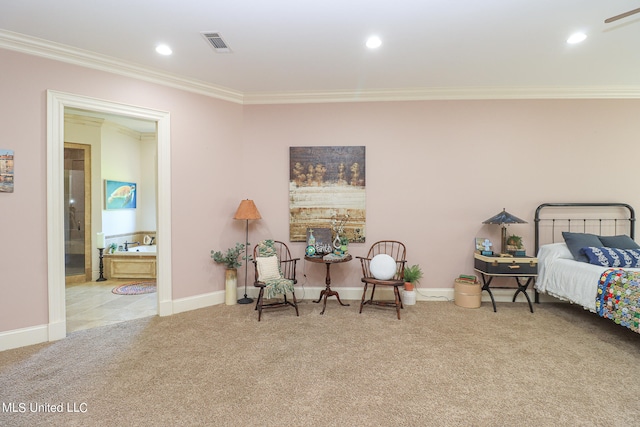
[247, 210]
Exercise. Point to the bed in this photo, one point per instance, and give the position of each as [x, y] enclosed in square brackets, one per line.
[587, 256]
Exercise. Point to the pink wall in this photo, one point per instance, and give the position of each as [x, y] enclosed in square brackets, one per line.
[435, 171]
[205, 135]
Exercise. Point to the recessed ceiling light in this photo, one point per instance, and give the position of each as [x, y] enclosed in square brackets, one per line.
[576, 38]
[374, 42]
[163, 49]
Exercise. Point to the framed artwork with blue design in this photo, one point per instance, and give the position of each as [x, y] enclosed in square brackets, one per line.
[120, 195]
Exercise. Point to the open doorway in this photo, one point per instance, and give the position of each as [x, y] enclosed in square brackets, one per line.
[126, 149]
[56, 103]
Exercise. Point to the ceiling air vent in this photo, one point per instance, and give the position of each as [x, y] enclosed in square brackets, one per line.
[216, 41]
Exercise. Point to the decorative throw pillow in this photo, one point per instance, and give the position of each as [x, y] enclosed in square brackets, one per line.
[612, 257]
[268, 268]
[619, 242]
[577, 241]
[383, 267]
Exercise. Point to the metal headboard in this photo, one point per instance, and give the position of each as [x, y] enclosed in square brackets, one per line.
[619, 219]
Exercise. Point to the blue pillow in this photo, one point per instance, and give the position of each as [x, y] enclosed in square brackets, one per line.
[577, 241]
[619, 242]
[612, 257]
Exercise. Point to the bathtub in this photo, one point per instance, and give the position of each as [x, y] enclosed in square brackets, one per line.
[139, 262]
[146, 249]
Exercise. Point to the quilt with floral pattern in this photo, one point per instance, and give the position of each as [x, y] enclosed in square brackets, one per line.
[618, 297]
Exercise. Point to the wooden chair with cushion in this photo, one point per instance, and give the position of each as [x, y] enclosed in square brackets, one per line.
[384, 266]
[275, 273]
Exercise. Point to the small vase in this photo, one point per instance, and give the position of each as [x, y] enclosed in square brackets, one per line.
[408, 286]
[231, 286]
[336, 242]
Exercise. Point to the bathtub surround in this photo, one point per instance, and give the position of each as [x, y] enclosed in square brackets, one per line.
[139, 262]
[138, 237]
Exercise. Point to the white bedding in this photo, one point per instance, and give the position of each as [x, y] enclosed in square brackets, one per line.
[563, 277]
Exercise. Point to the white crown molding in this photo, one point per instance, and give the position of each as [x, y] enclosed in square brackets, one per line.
[63, 53]
[445, 93]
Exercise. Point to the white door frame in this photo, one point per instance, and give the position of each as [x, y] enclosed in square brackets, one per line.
[56, 103]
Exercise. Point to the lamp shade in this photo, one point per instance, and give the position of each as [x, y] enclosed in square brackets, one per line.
[504, 217]
[247, 210]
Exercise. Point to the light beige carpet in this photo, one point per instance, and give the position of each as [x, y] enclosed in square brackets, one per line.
[441, 365]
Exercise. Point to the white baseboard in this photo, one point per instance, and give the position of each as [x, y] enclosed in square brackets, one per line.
[23, 337]
[43, 333]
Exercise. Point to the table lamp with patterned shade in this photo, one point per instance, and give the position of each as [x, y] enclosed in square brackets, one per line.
[504, 218]
[247, 210]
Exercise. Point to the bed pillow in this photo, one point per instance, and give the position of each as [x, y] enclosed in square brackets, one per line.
[612, 257]
[577, 241]
[619, 242]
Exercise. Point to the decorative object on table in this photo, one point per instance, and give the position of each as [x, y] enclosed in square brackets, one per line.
[337, 225]
[112, 248]
[6, 171]
[120, 195]
[325, 182]
[275, 273]
[504, 219]
[246, 211]
[310, 251]
[320, 239]
[231, 261]
[515, 246]
[344, 244]
[397, 251]
[483, 246]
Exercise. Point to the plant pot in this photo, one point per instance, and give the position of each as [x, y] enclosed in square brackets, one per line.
[408, 286]
[231, 286]
[409, 297]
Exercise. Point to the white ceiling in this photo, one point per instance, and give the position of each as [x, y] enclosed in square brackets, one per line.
[283, 49]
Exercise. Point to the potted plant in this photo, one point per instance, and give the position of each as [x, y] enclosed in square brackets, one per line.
[515, 245]
[231, 260]
[412, 276]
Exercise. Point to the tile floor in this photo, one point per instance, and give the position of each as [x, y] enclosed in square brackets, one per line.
[92, 304]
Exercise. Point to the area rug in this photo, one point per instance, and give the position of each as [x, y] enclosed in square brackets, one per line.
[135, 288]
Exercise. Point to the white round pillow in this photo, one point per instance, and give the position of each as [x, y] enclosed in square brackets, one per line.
[383, 267]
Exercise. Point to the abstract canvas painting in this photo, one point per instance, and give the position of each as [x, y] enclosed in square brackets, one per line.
[120, 195]
[327, 189]
[6, 171]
